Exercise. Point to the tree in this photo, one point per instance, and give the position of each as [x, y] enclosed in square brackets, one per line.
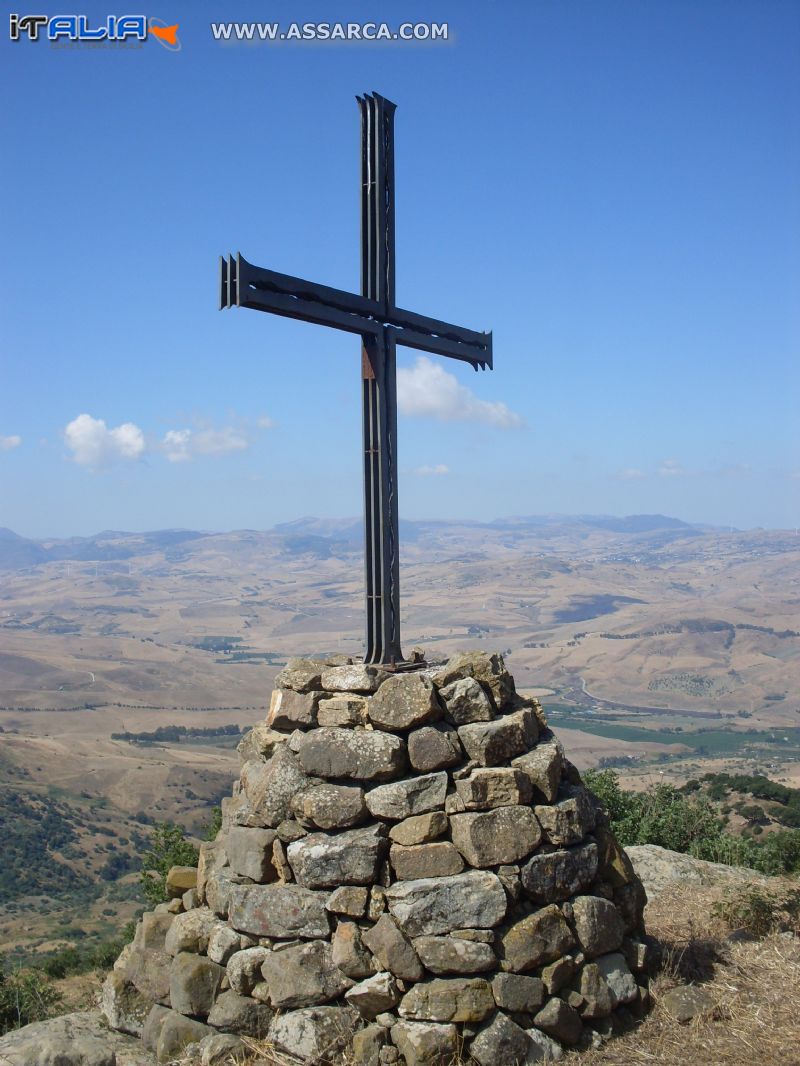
[168, 847]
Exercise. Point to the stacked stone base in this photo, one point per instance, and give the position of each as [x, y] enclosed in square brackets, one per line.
[409, 870]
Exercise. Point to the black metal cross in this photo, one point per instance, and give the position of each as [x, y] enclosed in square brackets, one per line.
[382, 326]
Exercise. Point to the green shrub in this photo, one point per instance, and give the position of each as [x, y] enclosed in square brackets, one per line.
[759, 910]
[26, 996]
[168, 847]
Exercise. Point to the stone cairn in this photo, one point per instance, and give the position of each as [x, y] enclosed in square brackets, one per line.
[409, 870]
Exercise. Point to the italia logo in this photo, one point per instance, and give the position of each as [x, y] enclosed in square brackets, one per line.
[80, 28]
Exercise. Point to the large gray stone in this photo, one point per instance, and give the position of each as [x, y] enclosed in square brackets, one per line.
[542, 766]
[211, 860]
[223, 942]
[426, 1043]
[488, 669]
[233, 1013]
[290, 710]
[535, 940]
[492, 743]
[448, 954]
[518, 993]
[194, 981]
[259, 742]
[301, 675]
[244, 969]
[350, 953]
[448, 999]
[176, 1033]
[570, 819]
[559, 1020]
[560, 874]
[123, 1004]
[434, 747]
[190, 931]
[151, 931]
[393, 950]
[403, 799]
[250, 853]
[354, 677]
[592, 986]
[499, 836]
[148, 972]
[280, 911]
[329, 806]
[504, 1042]
[419, 829]
[78, 1039]
[488, 787]
[403, 702]
[313, 1034]
[344, 711]
[466, 701]
[353, 857]
[350, 900]
[375, 994]
[303, 976]
[436, 905]
[269, 787]
[352, 753]
[621, 982]
[597, 924]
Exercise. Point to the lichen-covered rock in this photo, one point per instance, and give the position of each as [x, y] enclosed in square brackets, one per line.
[350, 900]
[269, 787]
[189, 931]
[592, 987]
[402, 799]
[180, 879]
[123, 1004]
[211, 859]
[354, 677]
[259, 742]
[244, 969]
[436, 905]
[313, 1034]
[448, 999]
[322, 860]
[426, 1043]
[301, 675]
[448, 954]
[349, 952]
[303, 976]
[488, 669]
[352, 753]
[503, 1041]
[466, 701]
[281, 911]
[223, 942]
[434, 747]
[500, 836]
[560, 874]
[404, 701]
[620, 981]
[492, 743]
[597, 924]
[535, 940]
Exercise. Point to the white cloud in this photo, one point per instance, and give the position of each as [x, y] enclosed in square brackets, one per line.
[633, 473]
[7, 444]
[671, 468]
[93, 444]
[181, 445]
[265, 422]
[428, 390]
[439, 470]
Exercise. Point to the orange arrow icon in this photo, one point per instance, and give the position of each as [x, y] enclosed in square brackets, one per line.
[166, 33]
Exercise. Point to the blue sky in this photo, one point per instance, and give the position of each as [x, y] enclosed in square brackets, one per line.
[612, 187]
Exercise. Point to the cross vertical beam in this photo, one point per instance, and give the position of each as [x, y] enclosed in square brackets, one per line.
[379, 403]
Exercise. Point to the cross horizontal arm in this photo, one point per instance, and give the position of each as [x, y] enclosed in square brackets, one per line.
[245, 285]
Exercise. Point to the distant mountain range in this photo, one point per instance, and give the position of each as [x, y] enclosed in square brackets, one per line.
[322, 536]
